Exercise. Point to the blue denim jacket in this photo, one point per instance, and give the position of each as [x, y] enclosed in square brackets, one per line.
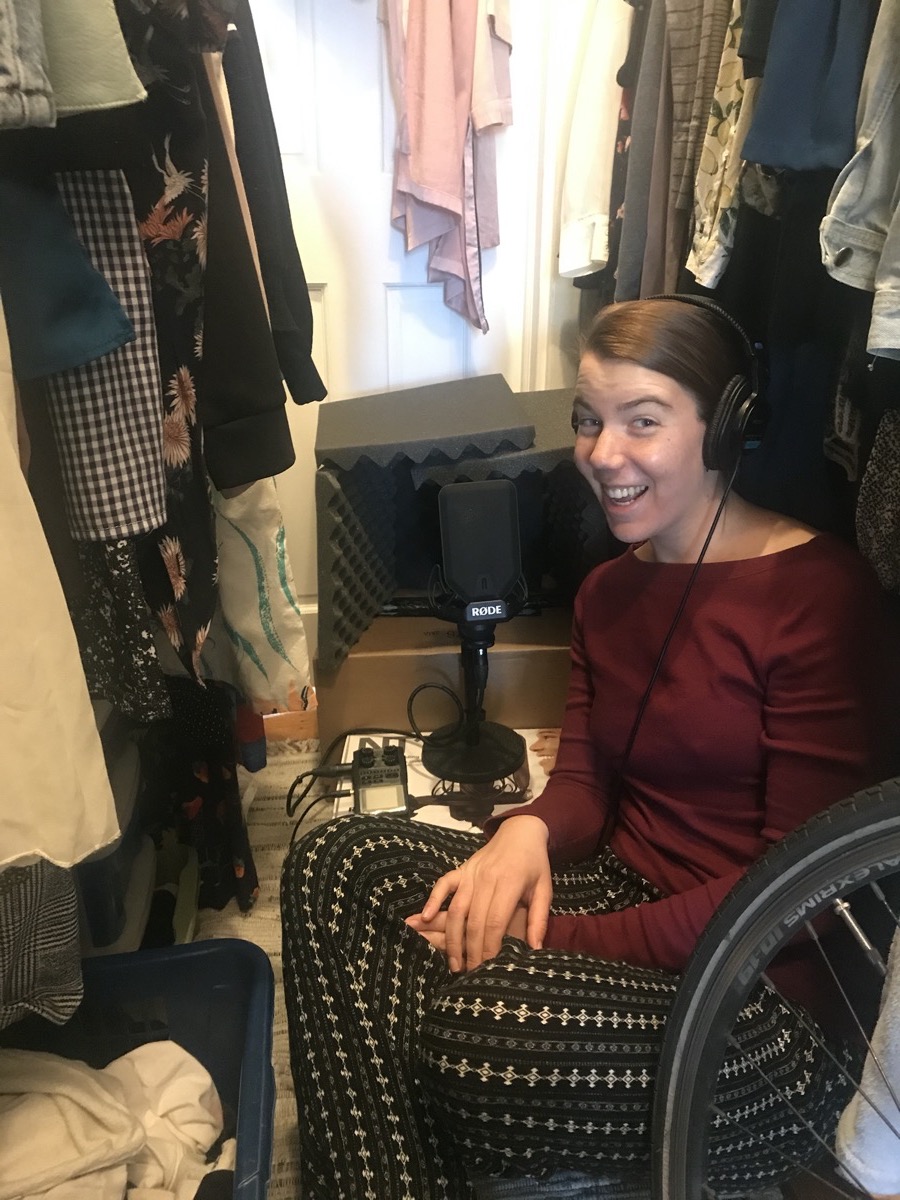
[860, 234]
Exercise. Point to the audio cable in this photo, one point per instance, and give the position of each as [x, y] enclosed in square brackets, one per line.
[618, 779]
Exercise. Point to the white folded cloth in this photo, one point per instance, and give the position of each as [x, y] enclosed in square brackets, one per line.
[175, 1099]
[58, 1120]
[68, 1132]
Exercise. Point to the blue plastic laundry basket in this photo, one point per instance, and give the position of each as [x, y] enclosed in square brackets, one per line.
[215, 999]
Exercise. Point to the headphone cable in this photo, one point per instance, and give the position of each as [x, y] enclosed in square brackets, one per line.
[615, 790]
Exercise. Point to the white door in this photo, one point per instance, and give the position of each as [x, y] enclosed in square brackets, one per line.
[378, 325]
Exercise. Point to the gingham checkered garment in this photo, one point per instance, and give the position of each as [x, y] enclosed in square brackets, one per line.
[40, 957]
[107, 415]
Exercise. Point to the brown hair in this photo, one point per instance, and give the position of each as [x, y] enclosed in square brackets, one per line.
[689, 344]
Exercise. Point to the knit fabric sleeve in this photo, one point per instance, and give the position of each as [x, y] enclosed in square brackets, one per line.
[825, 669]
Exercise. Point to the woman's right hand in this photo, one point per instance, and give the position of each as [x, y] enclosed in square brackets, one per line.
[512, 871]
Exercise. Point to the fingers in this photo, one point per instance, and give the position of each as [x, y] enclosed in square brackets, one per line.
[434, 936]
[437, 940]
[435, 925]
[539, 913]
[456, 928]
[445, 886]
[489, 918]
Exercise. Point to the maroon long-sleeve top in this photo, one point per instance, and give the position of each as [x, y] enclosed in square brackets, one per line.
[770, 706]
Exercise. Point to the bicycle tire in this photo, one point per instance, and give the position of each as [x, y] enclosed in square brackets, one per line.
[835, 853]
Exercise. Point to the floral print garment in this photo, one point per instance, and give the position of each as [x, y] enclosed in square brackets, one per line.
[190, 764]
[717, 193]
[114, 632]
[178, 561]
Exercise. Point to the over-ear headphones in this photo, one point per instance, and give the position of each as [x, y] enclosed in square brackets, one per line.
[739, 418]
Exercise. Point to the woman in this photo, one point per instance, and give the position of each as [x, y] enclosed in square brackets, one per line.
[468, 1009]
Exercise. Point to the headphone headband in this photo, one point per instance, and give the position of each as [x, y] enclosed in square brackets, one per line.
[738, 421]
[717, 310]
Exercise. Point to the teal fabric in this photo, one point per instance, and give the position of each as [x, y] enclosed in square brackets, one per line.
[60, 312]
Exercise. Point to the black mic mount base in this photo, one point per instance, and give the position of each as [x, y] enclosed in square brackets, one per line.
[449, 753]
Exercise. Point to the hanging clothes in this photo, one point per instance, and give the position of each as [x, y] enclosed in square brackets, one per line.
[860, 233]
[804, 119]
[259, 157]
[866, 1141]
[115, 634]
[758, 19]
[598, 288]
[717, 187]
[40, 956]
[587, 182]
[241, 406]
[26, 93]
[444, 178]
[660, 213]
[264, 653]
[168, 186]
[88, 64]
[108, 414]
[696, 30]
[644, 115]
[259, 601]
[61, 312]
[102, 586]
[56, 801]
[878, 507]
[190, 763]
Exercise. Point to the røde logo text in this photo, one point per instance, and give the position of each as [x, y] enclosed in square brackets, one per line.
[495, 609]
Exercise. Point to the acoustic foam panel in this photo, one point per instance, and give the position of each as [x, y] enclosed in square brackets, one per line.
[440, 423]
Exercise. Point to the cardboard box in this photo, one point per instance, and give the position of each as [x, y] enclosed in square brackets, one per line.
[528, 675]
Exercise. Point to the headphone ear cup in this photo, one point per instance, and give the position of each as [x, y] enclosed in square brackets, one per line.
[723, 440]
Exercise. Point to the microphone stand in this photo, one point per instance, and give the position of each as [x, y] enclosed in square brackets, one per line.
[474, 751]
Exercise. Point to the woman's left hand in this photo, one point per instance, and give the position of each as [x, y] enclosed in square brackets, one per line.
[434, 931]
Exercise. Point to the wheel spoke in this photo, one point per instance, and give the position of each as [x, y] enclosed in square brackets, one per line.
[814, 1033]
[843, 863]
[792, 1162]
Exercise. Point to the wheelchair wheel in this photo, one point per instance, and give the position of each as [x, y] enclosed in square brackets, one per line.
[839, 873]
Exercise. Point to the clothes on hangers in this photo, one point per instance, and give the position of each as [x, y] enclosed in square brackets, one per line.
[258, 599]
[60, 311]
[696, 33]
[585, 203]
[878, 506]
[40, 956]
[61, 58]
[644, 115]
[804, 118]
[259, 158]
[451, 88]
[26, 94]
[87, 62]
[241, 401]
[860, 233]
[758, 18]
[717, 194]
[57, 806]
[107, 414]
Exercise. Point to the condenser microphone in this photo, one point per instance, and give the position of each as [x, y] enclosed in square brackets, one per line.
[482, 572]
[480, 546]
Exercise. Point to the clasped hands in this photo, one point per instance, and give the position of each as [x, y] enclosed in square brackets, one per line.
[504, 889]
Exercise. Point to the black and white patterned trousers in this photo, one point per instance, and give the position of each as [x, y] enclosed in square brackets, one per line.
[411, 1081]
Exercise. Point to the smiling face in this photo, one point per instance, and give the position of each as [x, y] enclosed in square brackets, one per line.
[639, 444]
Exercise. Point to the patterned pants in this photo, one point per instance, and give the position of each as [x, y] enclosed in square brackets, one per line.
[411, 1082]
